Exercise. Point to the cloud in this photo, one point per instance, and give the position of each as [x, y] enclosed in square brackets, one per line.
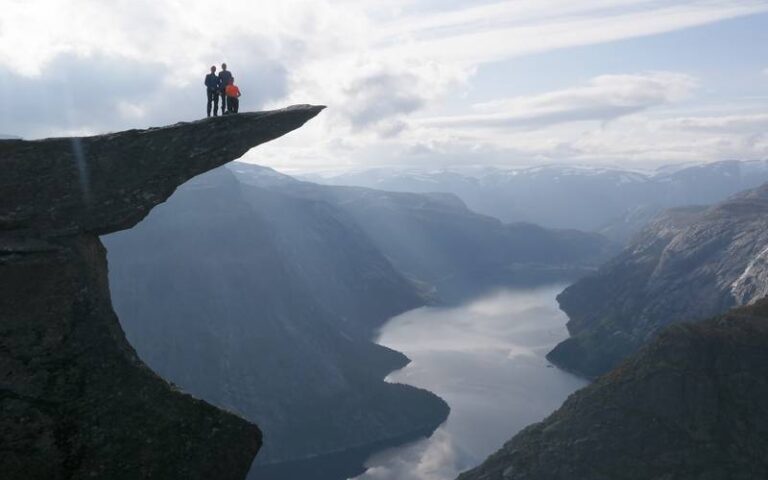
[604, 98]
[380, 95]
[757, 122]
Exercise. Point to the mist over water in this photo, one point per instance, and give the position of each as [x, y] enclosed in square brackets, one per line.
[487, 360]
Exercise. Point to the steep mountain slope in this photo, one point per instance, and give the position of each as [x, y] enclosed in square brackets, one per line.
[265, 304]
[435, 239]
[689, 406]
[76, 401]
[689, 264]
[613, 201]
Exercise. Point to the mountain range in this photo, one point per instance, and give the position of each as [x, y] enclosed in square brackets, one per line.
[434, 238]
[614, 201]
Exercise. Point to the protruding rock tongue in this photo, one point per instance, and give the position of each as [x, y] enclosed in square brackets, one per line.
[106, 183]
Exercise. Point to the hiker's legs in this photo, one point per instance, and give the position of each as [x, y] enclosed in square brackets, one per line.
[213, 99]
[234, 103]
[223, 102]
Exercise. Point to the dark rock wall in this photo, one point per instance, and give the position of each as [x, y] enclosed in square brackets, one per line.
[76, 401]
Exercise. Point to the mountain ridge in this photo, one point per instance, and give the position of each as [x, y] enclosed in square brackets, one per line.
[690, 263]
[614, 201]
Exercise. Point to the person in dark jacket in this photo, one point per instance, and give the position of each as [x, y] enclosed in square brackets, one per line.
[212, 87]
[225, 77]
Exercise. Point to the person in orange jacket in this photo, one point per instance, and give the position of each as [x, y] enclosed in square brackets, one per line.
[233, 96]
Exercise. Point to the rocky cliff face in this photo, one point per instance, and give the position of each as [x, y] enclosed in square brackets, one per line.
[689, 406]
[689, 264]
[75, 400]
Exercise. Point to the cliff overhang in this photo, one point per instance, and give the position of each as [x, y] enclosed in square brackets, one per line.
[75, 399]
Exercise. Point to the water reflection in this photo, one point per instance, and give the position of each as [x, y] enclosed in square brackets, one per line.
[486, 359]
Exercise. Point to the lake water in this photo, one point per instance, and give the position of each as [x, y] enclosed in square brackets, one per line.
[486, 359]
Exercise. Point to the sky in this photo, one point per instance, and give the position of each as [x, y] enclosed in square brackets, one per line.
[419, 83]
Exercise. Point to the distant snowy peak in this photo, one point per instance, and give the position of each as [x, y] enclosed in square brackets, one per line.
[606, 198]
[485, 173]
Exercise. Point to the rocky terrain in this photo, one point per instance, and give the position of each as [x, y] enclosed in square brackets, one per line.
[688, 406]
[688, 264]
[76, 402]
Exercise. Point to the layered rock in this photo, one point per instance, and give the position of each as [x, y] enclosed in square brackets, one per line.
[76, 401]
[689, 264]
[689, 406]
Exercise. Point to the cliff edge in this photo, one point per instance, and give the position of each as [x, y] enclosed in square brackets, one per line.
[75, 400]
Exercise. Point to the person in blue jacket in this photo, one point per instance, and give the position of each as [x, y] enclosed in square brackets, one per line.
[213, 87]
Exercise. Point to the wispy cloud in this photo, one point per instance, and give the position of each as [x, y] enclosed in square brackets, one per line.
[498, 31]
[757, 122]
[604, 98]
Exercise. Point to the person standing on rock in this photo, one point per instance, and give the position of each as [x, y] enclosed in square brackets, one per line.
[212, 87]
[233, 96]
[225, 78]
